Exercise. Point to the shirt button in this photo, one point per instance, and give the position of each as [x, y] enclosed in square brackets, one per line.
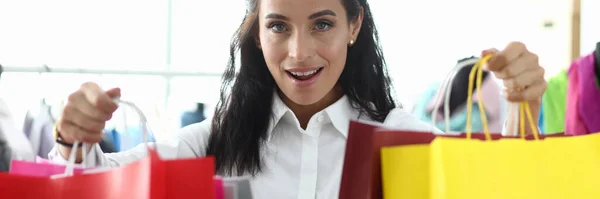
[321, 119]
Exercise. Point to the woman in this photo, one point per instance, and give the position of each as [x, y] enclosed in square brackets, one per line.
[307, 68]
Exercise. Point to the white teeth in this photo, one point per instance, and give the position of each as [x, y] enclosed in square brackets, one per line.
[304, 73]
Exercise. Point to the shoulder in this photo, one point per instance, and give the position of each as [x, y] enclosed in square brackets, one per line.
[195, 136]
[201, 127]
[188, 142]
[398, 118]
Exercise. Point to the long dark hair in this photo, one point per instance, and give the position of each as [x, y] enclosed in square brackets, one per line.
[241, 120]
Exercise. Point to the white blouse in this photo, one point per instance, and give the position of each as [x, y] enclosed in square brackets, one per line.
[297, 163]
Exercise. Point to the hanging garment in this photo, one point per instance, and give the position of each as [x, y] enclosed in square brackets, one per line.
[541, 119]
[554, 104]
[123, 131]
[126, 136]
[132, 137]
[38, 129]
[20, 146]
[494, 105]
[597, 63]
[5, 153]
[106, 144]
[589, 94]
[191, 117]
[113, 137]
[573, 123]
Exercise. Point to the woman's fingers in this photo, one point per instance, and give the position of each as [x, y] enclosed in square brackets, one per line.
[77, 117]
[530, 93]
[525, 79]
[70, 132]
[517, 67]
[97, 97]
[86, 112]
[77, 101]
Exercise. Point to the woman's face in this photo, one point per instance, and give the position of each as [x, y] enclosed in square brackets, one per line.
[304, 43]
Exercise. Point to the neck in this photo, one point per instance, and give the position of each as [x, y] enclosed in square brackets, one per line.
[305, 112]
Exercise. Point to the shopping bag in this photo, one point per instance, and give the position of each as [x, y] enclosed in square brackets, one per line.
[555, 167]
[455, 170]
[405, 169]
[43, 167]
[405, 166]
[561, 167]
[232, 188]
[361, 175]
[40, 168]
[150, 177]
[219, 191]
[237, 188]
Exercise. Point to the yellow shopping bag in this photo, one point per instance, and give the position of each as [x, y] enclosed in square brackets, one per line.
[458, 168]
[561, 167]
[405, 169]
[556, 167]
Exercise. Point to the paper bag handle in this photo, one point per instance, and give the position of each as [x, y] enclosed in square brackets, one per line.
[143, 119]
[70, 167]
[523, 106]
[478, 68]
[448, 89]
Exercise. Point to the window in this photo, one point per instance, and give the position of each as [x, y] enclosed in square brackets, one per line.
[84, 34]
[421, 40]
[25, 91]
[201, 33]
[590, 31]
[187, 91]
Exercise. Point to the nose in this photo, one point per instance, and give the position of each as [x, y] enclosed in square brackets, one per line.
[301, 46]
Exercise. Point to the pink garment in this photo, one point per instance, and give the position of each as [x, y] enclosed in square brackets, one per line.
[573, 123]
[589, 94]
[492, 102]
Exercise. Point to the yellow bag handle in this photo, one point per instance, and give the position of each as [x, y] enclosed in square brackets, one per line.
[523, 106]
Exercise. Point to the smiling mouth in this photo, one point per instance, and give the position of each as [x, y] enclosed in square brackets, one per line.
[305, 75]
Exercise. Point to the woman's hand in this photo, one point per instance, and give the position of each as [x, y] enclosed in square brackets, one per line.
[521, 73]
[85, 115]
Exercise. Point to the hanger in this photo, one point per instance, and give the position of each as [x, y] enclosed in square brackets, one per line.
[46, 107]
[597, 59]
[460, 86]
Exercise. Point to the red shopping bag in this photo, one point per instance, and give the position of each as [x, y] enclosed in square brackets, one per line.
[149, 177]
[361, 175]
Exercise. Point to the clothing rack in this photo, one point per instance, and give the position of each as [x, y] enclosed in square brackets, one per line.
[46, 69]
[168, 75]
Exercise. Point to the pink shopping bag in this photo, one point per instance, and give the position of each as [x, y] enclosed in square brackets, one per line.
[41, 168]
[219, 188]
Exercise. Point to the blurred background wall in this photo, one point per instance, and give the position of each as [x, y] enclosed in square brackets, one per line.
[167, 55]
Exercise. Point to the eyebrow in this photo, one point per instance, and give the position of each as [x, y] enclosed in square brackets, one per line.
[322, 13]
[312, 16]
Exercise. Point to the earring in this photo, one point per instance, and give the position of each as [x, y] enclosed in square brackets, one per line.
[351, 42]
